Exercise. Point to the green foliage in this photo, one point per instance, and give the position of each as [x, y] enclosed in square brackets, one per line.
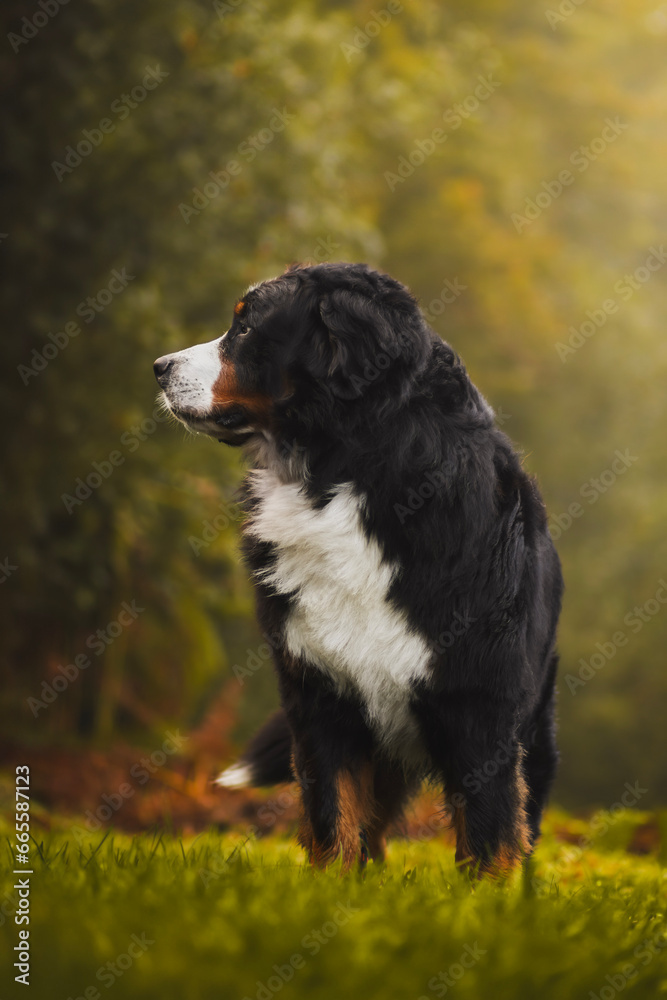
[355, 104]
[217, 914]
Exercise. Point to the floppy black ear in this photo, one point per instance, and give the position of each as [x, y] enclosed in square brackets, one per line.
[365, 340]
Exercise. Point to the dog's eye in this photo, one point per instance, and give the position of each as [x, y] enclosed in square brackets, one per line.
[243, 329]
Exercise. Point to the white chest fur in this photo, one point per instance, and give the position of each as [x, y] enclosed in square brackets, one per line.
[341, 620]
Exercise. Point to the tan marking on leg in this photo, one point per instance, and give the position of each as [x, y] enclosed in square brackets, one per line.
[464, 854]
[376, 832]
[377, 844]
[305, 836]
[355, 811]
[355, 805]
[510, 855]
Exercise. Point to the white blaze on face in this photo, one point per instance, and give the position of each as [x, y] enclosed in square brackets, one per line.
[191, 379]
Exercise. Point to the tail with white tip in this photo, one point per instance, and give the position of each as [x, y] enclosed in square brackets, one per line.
[267, 760]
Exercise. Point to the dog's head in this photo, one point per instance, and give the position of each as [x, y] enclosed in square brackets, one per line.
[314, 340]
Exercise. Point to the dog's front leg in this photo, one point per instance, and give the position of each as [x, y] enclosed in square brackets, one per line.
[332, 762]
[471, 739]
[336, 805]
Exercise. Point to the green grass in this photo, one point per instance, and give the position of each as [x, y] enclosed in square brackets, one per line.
[222, 912]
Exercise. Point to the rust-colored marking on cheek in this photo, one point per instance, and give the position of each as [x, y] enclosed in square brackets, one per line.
[225, 387]
[228, 392]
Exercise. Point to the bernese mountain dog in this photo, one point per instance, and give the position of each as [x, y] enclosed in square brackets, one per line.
[404, 574]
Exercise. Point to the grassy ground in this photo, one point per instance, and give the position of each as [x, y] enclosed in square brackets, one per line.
[217, 917]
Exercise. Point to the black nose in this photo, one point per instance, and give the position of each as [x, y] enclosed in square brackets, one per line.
[162, 366]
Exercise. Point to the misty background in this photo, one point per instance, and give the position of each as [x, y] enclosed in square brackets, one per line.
[504, 160]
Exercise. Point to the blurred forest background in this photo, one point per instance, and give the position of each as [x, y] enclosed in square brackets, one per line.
[429, 139]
